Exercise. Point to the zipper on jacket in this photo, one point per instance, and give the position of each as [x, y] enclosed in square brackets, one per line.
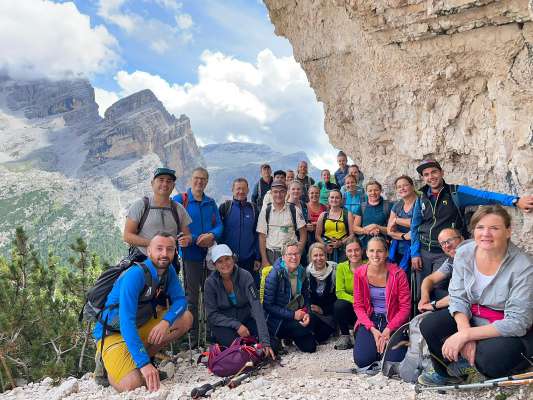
[433, 211]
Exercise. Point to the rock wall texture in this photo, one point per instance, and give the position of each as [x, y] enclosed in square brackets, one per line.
[404, 80]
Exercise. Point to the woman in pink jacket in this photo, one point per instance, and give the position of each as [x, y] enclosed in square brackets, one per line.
[382, 301]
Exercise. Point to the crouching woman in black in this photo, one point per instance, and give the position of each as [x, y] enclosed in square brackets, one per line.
[232, 302]
[286, 300]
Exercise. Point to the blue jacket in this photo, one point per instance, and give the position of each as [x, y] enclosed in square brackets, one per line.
[205, 219]
[426, 206]
[126, 291]
[340, 175]
[278, 295]
[239, 230]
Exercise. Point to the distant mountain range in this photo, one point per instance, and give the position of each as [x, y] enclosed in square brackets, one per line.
[67, 172]
[227, 161]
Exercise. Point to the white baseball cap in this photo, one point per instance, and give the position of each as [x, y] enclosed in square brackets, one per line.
[220, 250]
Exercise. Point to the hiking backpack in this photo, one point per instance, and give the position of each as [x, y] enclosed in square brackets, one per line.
[97, 295]
[229, 361]
[292, 209]
[225, 210]
[148, 207]
[465, 213]
[344, 221]
[417, 359]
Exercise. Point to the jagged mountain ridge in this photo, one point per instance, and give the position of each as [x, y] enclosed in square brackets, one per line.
[53, 143]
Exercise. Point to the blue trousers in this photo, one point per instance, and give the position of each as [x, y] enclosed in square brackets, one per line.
[365, 351]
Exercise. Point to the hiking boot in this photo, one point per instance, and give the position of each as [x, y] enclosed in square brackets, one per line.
[433, 378]
[343, 343]
[100, 376]
[463, 369]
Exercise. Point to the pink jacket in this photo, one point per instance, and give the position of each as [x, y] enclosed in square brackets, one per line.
[397, 297]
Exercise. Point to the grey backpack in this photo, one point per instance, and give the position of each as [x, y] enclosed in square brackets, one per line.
[417, 359]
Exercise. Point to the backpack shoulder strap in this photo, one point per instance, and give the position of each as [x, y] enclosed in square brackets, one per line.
[267, 215]
[345, 219]
[455, 198]
[149, 287]
[225, 209]
[174, 211]
[185, 199]
[364, 204]
[146, 211]
[326, 216]
[386, 206]
[292, 209]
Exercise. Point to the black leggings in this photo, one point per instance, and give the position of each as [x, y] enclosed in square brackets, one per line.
[495, 357]
[321, 329]
[303, 336]
[225, 336]
[344, 315]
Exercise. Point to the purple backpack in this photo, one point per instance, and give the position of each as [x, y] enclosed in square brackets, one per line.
[229, 361]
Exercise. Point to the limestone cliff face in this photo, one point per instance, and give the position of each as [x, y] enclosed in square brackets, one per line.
[138, 125]
[71, 99]
[404, 80]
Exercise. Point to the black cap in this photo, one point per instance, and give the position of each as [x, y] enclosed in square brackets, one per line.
[427, 164]
[165, 171]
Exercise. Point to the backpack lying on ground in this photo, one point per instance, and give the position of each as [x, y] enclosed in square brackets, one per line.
[229, 361]
[417, 359]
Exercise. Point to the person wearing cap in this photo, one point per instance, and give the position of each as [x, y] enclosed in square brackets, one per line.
[262, 186]
[161, 214]
[232, 302]
[440, 206]
[279, 223]
[280, 176]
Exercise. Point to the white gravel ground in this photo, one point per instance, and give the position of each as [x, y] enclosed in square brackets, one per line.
[301, 376]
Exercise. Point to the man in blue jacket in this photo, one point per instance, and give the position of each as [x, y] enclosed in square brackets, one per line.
[143, 327]
[239, 218]
[206, 229]
[442, 206]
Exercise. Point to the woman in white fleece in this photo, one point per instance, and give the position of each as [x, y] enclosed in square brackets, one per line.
[321, 275]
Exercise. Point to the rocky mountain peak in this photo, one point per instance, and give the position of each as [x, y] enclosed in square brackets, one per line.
[71, 99]
[136, 102]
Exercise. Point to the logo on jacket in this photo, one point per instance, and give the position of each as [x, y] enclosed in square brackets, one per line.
[445, 202]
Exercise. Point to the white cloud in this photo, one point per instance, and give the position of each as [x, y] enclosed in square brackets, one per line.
[104, 99]
[111, 11]
[54, 40]
[269, 101]
[153, 33]
[184, 21]
[172, 5]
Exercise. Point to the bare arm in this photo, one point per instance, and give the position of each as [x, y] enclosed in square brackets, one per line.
[319, 230]
[130, 234]
[303, 239]
[357, 229]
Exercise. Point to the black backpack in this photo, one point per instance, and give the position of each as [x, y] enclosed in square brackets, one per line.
[225, 210]
[344, 221]
[97, 295]
[148, 207]
[292, 209]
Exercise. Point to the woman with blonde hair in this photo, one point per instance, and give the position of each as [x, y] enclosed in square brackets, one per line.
[487, 326]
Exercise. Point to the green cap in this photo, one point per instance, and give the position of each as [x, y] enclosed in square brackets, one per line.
[165, 171]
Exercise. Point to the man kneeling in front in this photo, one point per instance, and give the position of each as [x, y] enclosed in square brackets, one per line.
[144, 327]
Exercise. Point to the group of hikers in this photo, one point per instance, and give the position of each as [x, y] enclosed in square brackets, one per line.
[304, 261]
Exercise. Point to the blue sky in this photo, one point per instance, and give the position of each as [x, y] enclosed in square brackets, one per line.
[218, 61]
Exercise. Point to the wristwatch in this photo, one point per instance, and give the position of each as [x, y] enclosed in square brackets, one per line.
[434, 305]
[403, 236]
[515, 201]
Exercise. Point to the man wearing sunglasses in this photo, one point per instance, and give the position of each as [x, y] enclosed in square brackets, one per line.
[436, 283]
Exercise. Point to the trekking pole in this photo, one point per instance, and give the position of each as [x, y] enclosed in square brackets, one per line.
[525, 375]
[205, 390]
[470, 386]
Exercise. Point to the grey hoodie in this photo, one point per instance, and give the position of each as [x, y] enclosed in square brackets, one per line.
[510, 291]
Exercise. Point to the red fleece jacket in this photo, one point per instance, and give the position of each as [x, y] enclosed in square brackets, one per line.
[397, 297]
